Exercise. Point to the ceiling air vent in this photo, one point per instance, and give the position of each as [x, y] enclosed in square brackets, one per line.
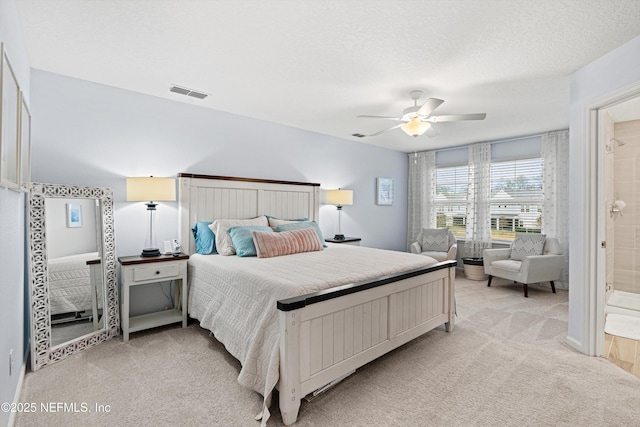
[188, 92]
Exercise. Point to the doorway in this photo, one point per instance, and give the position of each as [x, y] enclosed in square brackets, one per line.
[619, 226]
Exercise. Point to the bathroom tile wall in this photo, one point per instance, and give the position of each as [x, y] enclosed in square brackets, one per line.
[626, 177]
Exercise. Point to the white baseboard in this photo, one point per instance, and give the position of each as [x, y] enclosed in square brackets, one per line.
[16, 397]
[575, 344]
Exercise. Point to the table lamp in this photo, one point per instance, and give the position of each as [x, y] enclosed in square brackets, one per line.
[151, 190]
[339, 198]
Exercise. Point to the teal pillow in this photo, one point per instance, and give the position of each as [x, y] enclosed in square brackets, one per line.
[242, 239]
[204, 237]
[302, 224]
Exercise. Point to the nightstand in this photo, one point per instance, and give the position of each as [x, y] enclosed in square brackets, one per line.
[137, 270]
[354, 241]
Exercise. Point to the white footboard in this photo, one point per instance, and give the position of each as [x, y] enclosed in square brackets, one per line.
[328, 334]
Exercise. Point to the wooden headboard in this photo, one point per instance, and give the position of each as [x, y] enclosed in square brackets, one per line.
[207, 198]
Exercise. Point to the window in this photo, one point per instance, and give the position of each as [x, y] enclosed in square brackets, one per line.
[516, 198]
[451, 198]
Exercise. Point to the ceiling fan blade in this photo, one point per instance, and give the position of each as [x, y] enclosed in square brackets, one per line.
[378, 117]
[386, 130]
[457, 117]
[431, 132]
[429, 106]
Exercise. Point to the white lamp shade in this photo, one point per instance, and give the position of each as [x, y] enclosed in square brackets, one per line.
[415, 127]
[338, 197]
[146, 189]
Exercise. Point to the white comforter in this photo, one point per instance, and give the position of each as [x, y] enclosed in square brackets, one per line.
[70, 283]
[236, 297]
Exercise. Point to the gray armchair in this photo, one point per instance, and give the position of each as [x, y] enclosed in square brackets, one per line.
[546, 267]
[438, 243]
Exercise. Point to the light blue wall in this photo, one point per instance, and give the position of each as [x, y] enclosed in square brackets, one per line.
[91, 134]
[12, 235]
[617, 71]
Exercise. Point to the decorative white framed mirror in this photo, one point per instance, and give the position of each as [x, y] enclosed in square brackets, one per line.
[73, 292]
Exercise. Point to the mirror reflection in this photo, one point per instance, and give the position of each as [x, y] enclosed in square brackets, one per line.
[76, 291]
[73, 295]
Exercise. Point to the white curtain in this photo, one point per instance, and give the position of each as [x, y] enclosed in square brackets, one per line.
[422, 193]
[478, 231]
[555, 208]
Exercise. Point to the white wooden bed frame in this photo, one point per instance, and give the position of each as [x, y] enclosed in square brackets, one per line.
[324, 335]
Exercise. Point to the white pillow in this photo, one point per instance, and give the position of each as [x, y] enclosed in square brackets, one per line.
[527, 245]
[220, 228]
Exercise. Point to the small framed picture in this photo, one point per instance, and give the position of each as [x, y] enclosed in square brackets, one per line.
[384, 191]
[9, 109]
[74, 215]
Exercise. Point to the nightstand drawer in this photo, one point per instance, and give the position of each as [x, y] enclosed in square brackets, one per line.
[156, 271]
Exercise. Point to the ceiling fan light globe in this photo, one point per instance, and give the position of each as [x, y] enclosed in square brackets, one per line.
[415, 127]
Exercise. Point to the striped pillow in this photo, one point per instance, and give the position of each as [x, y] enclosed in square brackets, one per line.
[270, 245]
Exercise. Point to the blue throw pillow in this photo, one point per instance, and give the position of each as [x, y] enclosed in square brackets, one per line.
[204, 237]
[243, 240]
[302, 224]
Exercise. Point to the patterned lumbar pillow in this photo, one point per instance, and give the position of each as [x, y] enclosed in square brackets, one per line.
[435, 240]
[269, 244]
[526, 245]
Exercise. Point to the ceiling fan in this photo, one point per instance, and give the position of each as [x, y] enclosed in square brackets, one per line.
[416, 120]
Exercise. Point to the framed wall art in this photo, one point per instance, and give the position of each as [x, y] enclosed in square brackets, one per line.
[74, 215]
[10, 99]
[384, 191]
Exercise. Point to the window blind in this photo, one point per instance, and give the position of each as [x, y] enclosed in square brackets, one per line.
[452, 184]
[516, 197]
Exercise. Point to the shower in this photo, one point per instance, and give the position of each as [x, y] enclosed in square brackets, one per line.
[622, 173]
[612, 143]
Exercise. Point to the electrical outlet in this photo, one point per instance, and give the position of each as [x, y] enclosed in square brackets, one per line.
[10, 362]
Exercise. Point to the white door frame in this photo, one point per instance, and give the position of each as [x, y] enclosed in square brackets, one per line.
[595, 228]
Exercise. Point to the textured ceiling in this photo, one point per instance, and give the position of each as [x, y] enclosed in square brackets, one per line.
[318, 64]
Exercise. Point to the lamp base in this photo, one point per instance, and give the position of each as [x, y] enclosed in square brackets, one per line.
[339, 237]
[150, 252]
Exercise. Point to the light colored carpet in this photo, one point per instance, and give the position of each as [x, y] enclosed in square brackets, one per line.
[505, 364]
[623, 326]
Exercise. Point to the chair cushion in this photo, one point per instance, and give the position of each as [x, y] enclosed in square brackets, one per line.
[507, 264]
[438, 256]
[435, 240]
[526, 244]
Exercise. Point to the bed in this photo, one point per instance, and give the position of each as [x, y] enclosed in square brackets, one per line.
[70, 283]
[299, 322]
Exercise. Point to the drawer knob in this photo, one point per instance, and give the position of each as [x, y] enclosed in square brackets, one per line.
[157, 272]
